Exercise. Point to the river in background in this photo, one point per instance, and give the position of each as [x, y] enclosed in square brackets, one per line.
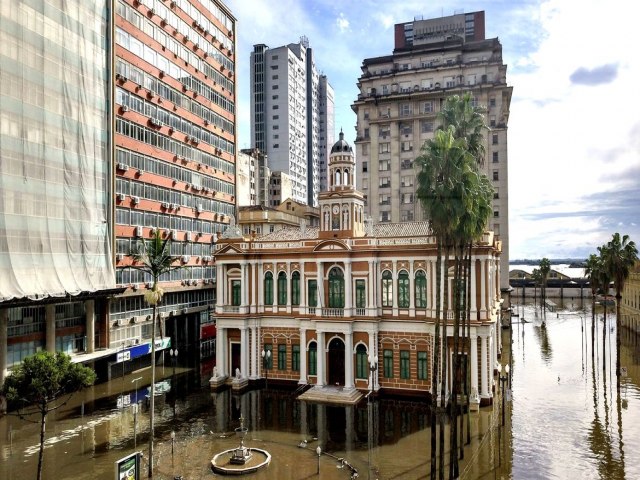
[563, 418]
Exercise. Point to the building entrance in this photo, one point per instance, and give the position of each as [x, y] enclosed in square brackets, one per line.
[336, 362]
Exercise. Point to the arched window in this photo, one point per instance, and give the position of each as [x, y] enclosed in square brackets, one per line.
[387, 289]
[282, 288]
[403, 289]
[313, 358]
[236, 293]
[295, 288]
[361, 362]
[268, 288]
[346, 177]
[421, 290]
[336, 288]
[337, 178]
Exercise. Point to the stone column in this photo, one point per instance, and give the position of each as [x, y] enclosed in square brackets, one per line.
[473, 291]
[90, 318]
[254, 352]
[412, 291]
[474, 363]
[371, 298]
[244, 352]
[303, 292]
[348, 361]
[303, 357]
[4, 324]
[50, 316]
[320, 289]
[289, 292]
[348, 289]
[322, 358]
[394, 288]
[221, 351]
[274, 305]
[483, 290]
[219, 288]
[260, 282]
[484, 368]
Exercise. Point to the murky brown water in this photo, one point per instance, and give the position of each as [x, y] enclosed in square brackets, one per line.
[564, 419]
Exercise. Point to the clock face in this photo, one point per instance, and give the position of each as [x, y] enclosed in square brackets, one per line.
[336, 209]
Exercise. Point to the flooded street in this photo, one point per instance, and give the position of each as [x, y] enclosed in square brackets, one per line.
[563, 419]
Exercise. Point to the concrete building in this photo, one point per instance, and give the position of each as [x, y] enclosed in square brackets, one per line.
[327, 129]
[259, 220]
[312, 306]
[286, 113]
[397, 111]
[117, 118]
[175, 160]
[630, 305]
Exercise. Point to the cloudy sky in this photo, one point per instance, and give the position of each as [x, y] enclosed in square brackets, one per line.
[574, 129]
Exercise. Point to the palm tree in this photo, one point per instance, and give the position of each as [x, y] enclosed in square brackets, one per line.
[620, 255]
[593, 265]
[604, 280]
[154, 258]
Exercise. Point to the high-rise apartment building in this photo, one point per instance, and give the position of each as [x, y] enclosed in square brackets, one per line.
[397, 111]
[327, 130]
[117, 117]
[175, 157]
[286, 114]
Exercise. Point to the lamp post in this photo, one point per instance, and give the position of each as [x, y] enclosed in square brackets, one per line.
[266, 356]
[174, 357]
[173, 441]
[135, 413]
[319, 452]
[373, 366]
[504, 376]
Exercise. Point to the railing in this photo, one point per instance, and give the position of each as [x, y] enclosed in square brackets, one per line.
[231, 309]
[361, 312]
[333, 312]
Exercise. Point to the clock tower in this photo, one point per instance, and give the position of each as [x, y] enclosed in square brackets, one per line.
[341, 206]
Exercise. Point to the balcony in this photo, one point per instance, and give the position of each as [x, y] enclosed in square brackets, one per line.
[333, 312]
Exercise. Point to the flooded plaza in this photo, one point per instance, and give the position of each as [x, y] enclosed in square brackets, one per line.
[563, 417]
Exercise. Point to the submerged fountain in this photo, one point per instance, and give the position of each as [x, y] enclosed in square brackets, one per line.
[240, 460]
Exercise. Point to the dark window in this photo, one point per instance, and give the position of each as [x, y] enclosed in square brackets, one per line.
[387, 289]
[404, 363]
[235, 293]
[361, 294]
[403, 289]
[336, 288]
[422, 365]
[313, 358]
[295, 358]
[295, 288]
[388, 363]
[282, 288]
[268, 288]
[313, 293]
[362, 366]
[282, 357]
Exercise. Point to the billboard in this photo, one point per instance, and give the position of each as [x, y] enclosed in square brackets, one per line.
[128, 468]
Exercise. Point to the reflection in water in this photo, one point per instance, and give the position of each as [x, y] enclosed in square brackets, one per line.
[564, 419]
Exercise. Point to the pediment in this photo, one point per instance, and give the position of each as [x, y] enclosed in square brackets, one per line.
[331, 245]
[229, 249]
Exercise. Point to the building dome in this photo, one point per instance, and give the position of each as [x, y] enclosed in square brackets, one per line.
[341, 145]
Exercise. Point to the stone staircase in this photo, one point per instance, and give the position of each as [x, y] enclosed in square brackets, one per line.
[332, 394]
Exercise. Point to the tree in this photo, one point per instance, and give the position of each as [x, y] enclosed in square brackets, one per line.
[154, 258]
[545, 268]
[43, 383]
[619, 256]
[593, 266]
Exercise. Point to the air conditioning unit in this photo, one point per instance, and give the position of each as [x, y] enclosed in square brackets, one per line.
[205, 281]
[124, 108]
[185, 310]
[122, 166]
[206, 258]
[139, 231]
[136, 200]
[194, 282]
[121, 322]
[206, 190]
[188, 236]
[199, 208]
[173, 206]
[121, 197]
[152, 11]
[185, 258]
[149, 284]
[174, 234]
[120, 257]
[135, 286]
[174, 312]
[165, 205]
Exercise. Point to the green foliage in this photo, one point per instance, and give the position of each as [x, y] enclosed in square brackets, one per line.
[153, 256]
[618, 257]
[44, 377]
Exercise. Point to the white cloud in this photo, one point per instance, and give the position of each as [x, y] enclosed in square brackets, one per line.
[342, 22]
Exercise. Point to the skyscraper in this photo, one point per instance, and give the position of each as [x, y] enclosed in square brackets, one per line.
[287, 98]
[116, 118]
[400, 97]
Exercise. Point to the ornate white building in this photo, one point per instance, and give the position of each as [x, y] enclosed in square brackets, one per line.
[315, 305]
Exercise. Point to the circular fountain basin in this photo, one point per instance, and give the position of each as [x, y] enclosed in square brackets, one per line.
[221, 463]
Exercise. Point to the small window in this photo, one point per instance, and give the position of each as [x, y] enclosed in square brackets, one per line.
[496, 177]
[313, 358]
[496, 214]
[404, 364]
[388, 363]
[282, 357]
[496, 157]
[494, 139]
[422, 366]
[295, 358]
[362, 367]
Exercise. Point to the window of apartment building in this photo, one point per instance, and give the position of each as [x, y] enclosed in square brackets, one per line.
[274, 77]
[276, 145]
[362, 365]
[384, 165]
[275, 107]
[384, 182]
[496, 193]
[385, 89]
[366, 114]
[275, 97]
[492, 101]
[496, 214]
[406, 215]
[405, 109]
[449, 82]
[384, 131]
[427, 107]
[276, 136]
[426, 126]
[496, 228]
[384, 148]
[366, 133]
[365, 167]
[426, 83]
[385, 216]
[407, 146]
[494, 139]
[387, 289]
[384, 199]
[365, 149]
[406, 128]
[404, 363]
[406, 164]
[276, 127]
[495, 157]
[496, 177]
[407, 198]
[474, 102]
[492, 121]
[274, 87]
[274, 57]
[406, 181]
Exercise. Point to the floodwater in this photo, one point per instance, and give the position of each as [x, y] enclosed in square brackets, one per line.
[563, 418]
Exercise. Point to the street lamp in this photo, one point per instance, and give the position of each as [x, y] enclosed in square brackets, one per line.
[135, 412]
[173, 441]
[319, 452]
[503, 380]
[174, 357]
[373, 366]
[266, 356]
